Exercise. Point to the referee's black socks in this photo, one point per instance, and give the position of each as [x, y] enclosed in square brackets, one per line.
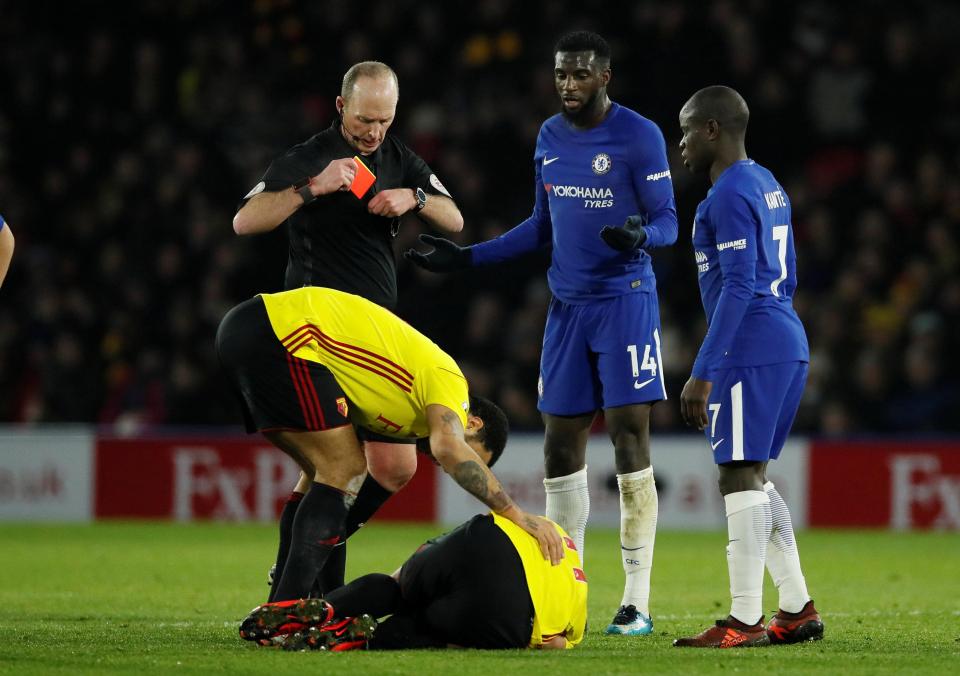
[317, 528]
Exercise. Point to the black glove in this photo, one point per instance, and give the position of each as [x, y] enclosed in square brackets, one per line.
[627, 238]
[445, 257]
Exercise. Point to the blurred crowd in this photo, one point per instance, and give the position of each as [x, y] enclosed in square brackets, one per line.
[129, 133]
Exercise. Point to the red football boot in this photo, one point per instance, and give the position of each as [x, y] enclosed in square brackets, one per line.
[804, 625]
[284, 617]
[727, 633]
[349, 633]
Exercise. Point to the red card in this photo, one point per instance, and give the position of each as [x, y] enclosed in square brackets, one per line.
[363, 179]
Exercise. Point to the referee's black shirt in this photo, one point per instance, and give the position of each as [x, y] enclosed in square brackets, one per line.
[334, 241]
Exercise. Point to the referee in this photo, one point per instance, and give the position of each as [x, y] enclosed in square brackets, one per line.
[343, 242]
[336, 239]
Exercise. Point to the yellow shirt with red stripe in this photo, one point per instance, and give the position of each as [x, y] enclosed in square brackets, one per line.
[390, 371]
[559, 593]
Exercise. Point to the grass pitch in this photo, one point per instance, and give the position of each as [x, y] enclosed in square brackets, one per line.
[167, 598]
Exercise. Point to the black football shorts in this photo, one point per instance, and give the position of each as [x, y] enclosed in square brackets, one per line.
[277, 390]
[468, 587]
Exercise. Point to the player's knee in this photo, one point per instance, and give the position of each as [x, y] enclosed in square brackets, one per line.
[627, 422]
[392, 468]
[561, 461]
[631, 446]
[737, 476]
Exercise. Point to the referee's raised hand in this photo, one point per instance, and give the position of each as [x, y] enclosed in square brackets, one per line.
[445, 257]
[338, 175]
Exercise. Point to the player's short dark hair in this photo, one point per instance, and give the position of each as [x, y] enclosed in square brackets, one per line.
[496, 428]
[723, 104]
[584, 41]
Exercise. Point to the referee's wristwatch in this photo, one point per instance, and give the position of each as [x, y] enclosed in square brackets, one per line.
[421, 199]
[303, 189]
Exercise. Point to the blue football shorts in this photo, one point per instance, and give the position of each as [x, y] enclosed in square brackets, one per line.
[601, 355]
[751, 410]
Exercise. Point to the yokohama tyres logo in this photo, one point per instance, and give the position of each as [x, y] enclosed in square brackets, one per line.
[579, 191]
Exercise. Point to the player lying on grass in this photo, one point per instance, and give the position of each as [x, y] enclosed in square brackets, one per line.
[483, 585]
[309, 364]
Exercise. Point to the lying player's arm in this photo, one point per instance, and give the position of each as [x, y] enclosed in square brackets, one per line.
[463, 464]
[6, 248]
[558, 642]
[266, 210]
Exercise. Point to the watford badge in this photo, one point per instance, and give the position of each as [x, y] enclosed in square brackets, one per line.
[342, 406]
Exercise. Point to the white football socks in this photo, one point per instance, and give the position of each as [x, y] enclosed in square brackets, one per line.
[638, 528]
[568, 504]
[783, 559]
[748, 526]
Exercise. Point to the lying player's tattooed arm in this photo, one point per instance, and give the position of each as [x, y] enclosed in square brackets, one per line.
[472, 474]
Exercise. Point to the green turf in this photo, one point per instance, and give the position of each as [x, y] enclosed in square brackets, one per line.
[162, 598]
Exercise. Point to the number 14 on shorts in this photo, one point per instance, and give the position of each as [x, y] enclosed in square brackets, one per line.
[648, 365]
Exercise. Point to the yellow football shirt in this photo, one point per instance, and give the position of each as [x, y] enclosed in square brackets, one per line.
[559, 593]
[390, 371]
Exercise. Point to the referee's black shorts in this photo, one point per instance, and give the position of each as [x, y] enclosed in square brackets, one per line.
[468, 588]
[277, 390]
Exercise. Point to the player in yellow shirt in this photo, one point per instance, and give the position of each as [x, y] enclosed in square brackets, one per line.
[309, 364]
[483, 585]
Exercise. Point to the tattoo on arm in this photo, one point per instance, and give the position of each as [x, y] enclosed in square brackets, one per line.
[473, 479]
[499, 501]
[449, 418]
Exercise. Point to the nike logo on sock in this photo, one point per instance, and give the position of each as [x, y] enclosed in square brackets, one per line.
[631, 549]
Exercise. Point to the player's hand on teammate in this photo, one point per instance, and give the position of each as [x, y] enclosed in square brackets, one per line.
[392, 203]
[551, 544]
[338, 175]
[445, 257]
[631, 235]
[693, 402]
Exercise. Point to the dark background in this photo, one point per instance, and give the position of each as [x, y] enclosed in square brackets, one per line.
[129, 132]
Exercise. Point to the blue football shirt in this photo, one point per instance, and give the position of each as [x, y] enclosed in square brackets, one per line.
[586, 179]
[747, 270]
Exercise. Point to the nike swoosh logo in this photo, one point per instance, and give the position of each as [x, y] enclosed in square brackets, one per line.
[714, 446]
[550, 161]
[637, 385]
[632, 549]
